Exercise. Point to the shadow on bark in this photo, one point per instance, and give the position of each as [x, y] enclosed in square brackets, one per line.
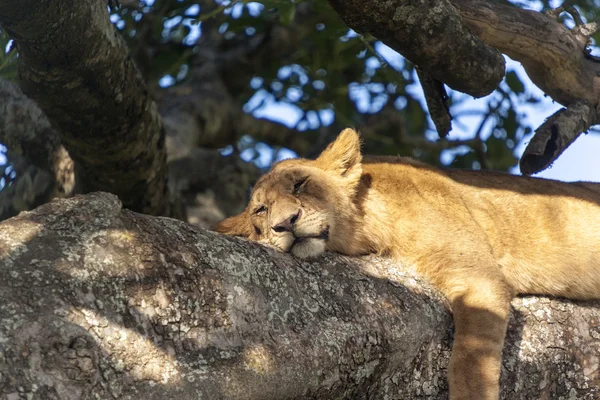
[99, 301]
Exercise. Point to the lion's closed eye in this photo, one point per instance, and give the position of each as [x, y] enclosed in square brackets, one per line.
[300, 183]
[260, 210]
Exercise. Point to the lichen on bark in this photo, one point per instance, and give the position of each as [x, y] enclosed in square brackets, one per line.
[96, 301]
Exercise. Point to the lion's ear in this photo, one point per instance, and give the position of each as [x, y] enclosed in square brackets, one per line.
[238, 225]
[343, 155]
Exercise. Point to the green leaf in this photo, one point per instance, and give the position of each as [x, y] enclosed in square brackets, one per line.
[514, 83]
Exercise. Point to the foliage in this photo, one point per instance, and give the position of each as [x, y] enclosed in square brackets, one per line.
[8, 65]
[330, 77]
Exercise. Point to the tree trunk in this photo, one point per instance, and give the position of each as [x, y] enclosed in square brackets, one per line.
[100, 302]
[82, 78]
[76, 67]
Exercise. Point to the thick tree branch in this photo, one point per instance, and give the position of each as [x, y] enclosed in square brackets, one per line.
[76, 67]
[431, 35]
[553, 56]
[26, 131]
[555, 59]
[99, 302]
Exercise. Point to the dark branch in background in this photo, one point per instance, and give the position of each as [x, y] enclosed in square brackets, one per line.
[277, 134]
[229, 178]
[430, 35]
[76, 67]
[207, 109]
[203, 113]
[44, 169]
[580, 29]
[556, 134]
[26, 132]
[437, 102]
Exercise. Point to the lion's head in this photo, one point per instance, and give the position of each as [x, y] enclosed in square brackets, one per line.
[302, 206]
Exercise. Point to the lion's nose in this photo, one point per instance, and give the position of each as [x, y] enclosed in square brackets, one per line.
[287, 225]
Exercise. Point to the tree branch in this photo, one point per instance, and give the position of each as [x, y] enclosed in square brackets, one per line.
[432, 36]
[553, 56]
[26, 131]
[555, 135]
[556, 59]
[202, 112]
[76, 67]
[99, 302]
[206, 110]
[277, 134]
[43, 166]
[437, 102]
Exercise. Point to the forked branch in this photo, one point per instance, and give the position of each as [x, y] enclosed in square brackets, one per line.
[555, 58]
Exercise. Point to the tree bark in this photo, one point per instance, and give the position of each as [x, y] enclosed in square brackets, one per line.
[457, 43]
[555, 135]
[75, 65]
[42, 164]
[100, 302]
[553, 56]
[431, 35]
[204, 111]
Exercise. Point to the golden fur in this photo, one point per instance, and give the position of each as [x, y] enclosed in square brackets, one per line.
[480, 237]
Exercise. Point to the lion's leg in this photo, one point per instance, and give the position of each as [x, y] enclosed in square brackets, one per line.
[481, 306]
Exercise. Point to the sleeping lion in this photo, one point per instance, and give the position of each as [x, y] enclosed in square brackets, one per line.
[479, 237]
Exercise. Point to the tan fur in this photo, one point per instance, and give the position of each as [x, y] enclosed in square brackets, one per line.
[480, 237]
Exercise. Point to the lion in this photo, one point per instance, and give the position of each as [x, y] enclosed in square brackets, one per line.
[480, 237]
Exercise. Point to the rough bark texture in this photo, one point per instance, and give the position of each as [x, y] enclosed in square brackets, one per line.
[449, 40]
[99, 302]
[42, 164]
[430, 34]
[45, 170]
[552, 55]
[76, 67]
[204, 111]
[555, 59]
